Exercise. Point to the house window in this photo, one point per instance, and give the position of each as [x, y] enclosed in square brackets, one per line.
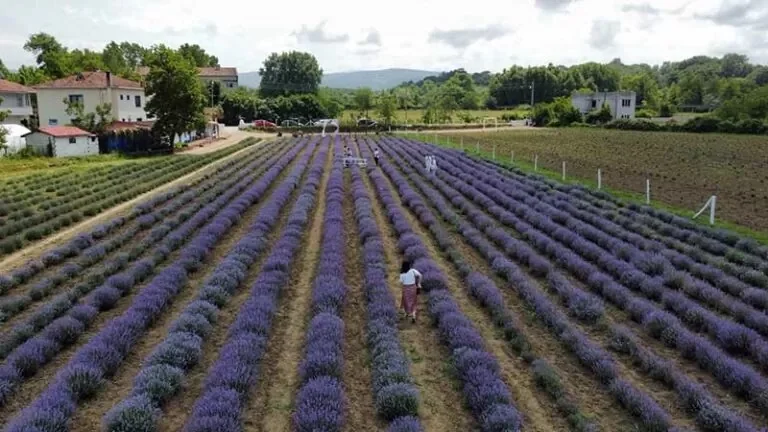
[20, 100]
[138, 119]
[53, 122]
[78, 99]
[121, 97]
[594, 103]
[72, 140]
[626, 102]
[230, 84]
[137, 99]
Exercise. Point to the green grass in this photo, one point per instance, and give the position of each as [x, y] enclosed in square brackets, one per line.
[626, 196]
[10, 166]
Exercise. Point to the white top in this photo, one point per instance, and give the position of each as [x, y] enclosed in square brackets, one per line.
[376, 153]
[409, 278]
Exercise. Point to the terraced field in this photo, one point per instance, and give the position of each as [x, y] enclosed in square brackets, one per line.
[264, 297]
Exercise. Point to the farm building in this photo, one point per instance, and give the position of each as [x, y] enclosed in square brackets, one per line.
[227, 76]
[90, 89]
[63, 141]
[621, 103]
[16, 100]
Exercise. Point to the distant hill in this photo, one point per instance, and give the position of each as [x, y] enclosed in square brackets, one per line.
[377, 80]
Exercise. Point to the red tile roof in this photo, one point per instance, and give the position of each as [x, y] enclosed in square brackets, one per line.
[203, 72]
[117, 126]
[12, 87]
[64, 131]
[85, 80]
[217, 71]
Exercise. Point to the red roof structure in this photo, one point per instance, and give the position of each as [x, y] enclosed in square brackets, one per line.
[63, 131]
[117, 126]
[12, 87]
[91, 80]
[206, 72]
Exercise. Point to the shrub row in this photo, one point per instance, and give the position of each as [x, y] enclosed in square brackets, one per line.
[487, 293]
[236, 370]
[162, 240]
[485, 393]
[735, 375]
[320, 400]
[395, 395]
[730, 336]
[164, 370]
[105, 351]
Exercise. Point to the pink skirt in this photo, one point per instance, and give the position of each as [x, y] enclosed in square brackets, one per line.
[408, 301]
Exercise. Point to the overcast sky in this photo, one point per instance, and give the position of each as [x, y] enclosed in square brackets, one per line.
[421, 34]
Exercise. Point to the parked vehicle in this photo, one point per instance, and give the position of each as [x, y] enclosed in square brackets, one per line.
[263, 124]
[363, 122]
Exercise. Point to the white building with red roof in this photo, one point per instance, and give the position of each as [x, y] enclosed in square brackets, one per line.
[63, 141]
[91, 89]
[17, 99]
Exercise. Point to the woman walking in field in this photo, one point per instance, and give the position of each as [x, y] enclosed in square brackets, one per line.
[410, 278]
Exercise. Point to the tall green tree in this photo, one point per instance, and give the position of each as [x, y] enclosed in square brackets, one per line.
[93, 122]
[3, 132]
[174, 92]
[28, 76]
[197, 55]
[289, 73]
[364, 100]
[4, 72]
[51, 56]
[387, 107]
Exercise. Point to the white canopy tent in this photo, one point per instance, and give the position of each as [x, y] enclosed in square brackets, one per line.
[14, 138]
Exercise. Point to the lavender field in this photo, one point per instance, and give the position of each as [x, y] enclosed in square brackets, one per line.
[264, 296]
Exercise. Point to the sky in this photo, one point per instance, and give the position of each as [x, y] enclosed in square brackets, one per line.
[418, 34]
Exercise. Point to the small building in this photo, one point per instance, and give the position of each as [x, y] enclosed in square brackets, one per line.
[91, 89]
[17, 99]
[63, 141]
[621, 103]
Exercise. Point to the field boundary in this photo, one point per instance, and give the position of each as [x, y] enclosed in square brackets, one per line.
[19, 257]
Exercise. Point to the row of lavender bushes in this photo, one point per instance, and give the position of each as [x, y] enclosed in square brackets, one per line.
[395, 395]
[485, 291]
[321, 403]
[82, 243]
[237, 369]
[485, 393]
[709, 414]
[43, 224]
[24, 352]
[731, 373]
[97, 251]
[98, 359]
[164, 370]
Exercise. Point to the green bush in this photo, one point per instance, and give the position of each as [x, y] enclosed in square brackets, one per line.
[646, 113]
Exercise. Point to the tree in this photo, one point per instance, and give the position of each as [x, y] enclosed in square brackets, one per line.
[364, 100]
[94, 122]
[52, 57]
[174, 92]
[27, 75]
[213, 93]
[197, 56]
[290, 73]
[4, 72]
[735, 66]
[404, 97]
[644, 86]
[387, 107]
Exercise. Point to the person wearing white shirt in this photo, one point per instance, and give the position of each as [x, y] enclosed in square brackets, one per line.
[410, 278]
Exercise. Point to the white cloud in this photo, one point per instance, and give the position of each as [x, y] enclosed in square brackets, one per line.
[241, 34]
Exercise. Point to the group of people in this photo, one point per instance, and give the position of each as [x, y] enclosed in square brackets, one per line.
[348, 154]
[431, 163]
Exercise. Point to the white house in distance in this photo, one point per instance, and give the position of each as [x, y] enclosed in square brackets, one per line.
[91, 89]
[227, 76]
[17, 99]
[63, 141]
[621, 103]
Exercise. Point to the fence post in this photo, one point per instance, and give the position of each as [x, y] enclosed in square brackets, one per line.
[563, 170]
[712, 210]
[647, 191]
[494, 152]
[535, 162]
[599, 179]
[512, 157]
[477, 147]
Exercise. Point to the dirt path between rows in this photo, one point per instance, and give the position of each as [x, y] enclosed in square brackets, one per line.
[20, 257]
[441, 404]
[272, 407]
